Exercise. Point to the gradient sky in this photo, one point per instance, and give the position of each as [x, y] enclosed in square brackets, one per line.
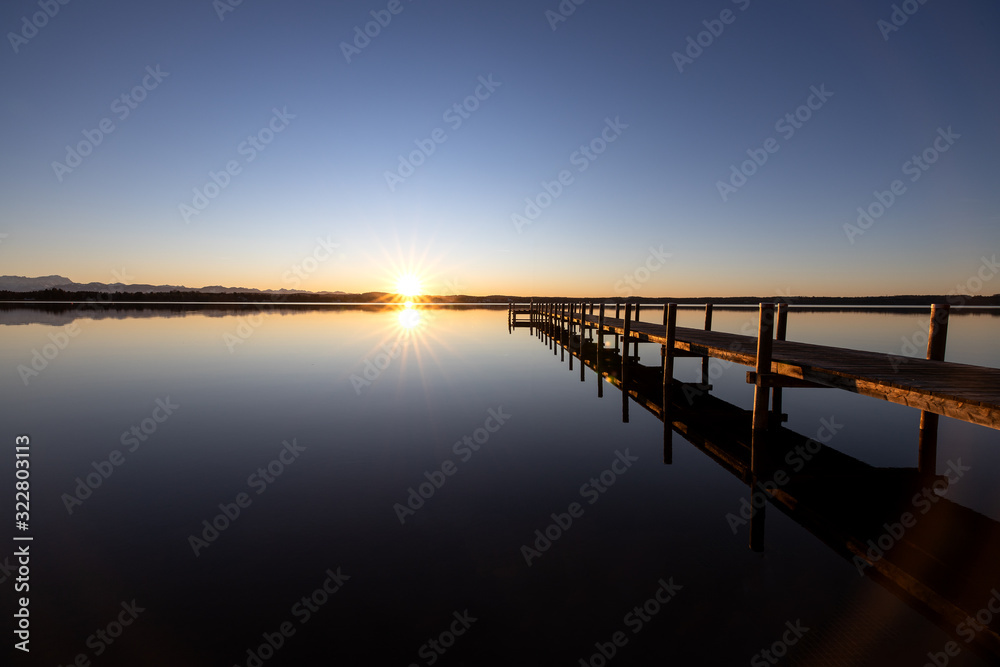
[323, 176]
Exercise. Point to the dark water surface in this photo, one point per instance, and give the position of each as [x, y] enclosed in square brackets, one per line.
[322, 420]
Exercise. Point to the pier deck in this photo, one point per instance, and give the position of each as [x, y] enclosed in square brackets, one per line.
[960, 391]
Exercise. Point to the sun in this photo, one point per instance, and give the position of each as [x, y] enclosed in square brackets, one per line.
[408, 285]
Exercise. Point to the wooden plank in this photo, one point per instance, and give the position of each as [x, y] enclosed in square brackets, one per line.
[960, 391]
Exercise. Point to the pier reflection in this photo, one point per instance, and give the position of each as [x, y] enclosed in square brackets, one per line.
[894, 525]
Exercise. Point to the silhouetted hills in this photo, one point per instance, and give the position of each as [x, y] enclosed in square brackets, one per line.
[59, 288]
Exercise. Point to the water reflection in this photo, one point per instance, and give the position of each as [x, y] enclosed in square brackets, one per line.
[897, 526]
[289, 378]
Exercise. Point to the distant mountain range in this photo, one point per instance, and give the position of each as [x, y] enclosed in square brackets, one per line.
[24, 284]
[59, 288]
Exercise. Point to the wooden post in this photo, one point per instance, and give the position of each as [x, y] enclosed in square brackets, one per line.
[765, 335]
[562, 328]
[637, 321]
[670, 316]
[618, 315]
[704, 360]
[583, 366]
[549, 320]
[600, 352]
[569, 337]
[625, 337]
[781, 328]
[937, 337]
[663, 348]
[761, 393]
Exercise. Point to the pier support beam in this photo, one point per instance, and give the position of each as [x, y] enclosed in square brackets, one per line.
[937, 337]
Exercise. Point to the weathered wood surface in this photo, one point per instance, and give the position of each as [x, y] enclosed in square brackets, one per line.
[960, 391]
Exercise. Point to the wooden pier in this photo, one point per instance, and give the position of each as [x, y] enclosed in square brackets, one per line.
[960, 391]
[944, 566]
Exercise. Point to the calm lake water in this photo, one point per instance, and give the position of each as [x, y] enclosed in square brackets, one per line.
[404, 460]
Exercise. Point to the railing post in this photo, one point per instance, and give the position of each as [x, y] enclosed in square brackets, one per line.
[600, 352]
[569, 336]
[618, 315]
[670, 315]
[625, 337]
[663, 348]
[562, 331]
[781, 328]
[937, 337]
[637, 304]
[704, 360]
[761, 392]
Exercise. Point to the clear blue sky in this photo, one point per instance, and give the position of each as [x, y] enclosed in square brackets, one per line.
[678, 134]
